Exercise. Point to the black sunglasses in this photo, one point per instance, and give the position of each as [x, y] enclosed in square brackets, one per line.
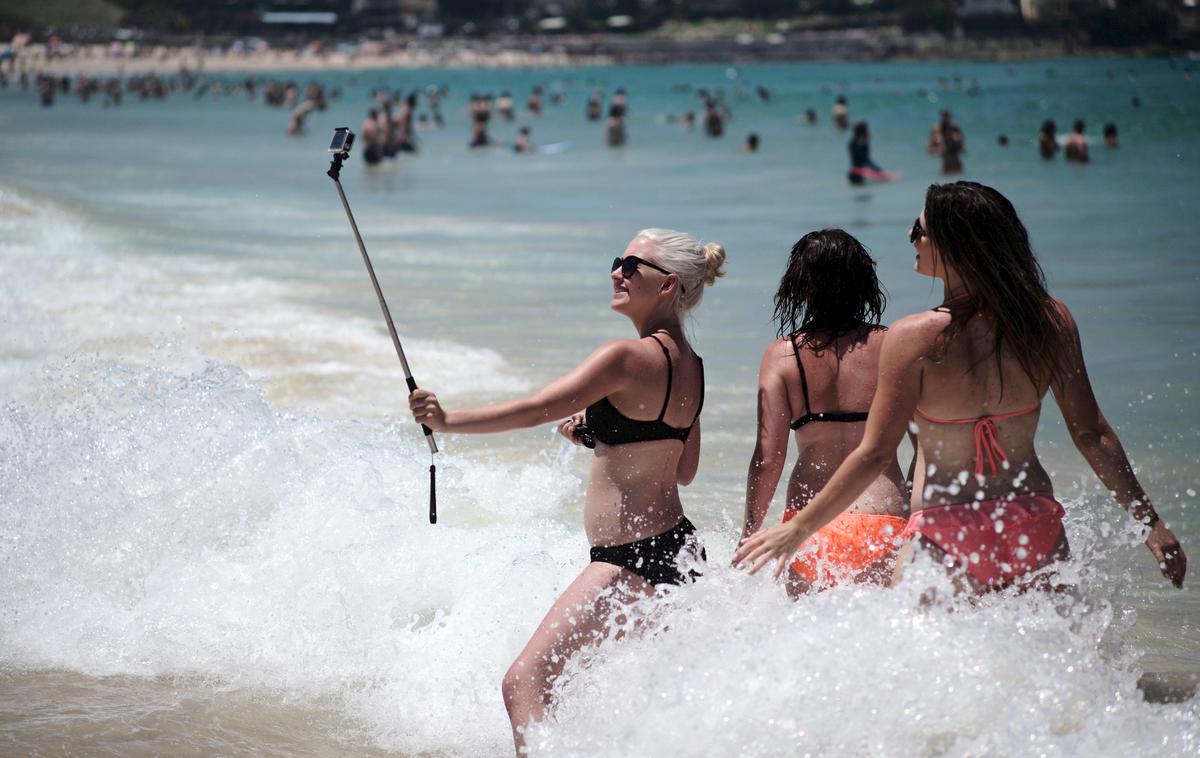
[917, 231]
[630, 263]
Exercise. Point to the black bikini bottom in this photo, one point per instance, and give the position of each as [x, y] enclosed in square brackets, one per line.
[656, 559]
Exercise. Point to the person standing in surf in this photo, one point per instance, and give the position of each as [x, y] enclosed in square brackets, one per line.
[818, 379]
[1047, 140]
[971, 375]
[1076, 150]
[633, 515]
[861, 165]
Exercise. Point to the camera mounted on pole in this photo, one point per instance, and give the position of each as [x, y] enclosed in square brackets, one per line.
[343, 140]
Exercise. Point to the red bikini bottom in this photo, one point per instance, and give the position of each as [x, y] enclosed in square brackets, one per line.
[998, 540]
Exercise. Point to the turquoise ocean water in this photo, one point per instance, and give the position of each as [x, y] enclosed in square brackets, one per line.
[210, 495]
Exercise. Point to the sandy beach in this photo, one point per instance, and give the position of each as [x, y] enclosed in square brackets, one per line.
[98, 60]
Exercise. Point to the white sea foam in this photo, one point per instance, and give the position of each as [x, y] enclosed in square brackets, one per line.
[156, 523]
[65, 291]
[170, 505]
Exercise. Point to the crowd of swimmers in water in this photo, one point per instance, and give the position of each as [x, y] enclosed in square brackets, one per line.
[395, 117]
[965, 382]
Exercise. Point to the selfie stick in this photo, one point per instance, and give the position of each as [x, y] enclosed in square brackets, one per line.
[342, 140]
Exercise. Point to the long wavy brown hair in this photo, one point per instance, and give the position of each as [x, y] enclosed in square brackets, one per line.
[976, 231]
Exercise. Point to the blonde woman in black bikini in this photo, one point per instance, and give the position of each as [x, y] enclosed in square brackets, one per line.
[638, 402]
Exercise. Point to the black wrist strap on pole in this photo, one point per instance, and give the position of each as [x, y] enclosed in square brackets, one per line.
[334, 173]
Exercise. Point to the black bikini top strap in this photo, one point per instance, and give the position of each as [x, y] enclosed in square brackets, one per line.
[667, 399]
[803, 376]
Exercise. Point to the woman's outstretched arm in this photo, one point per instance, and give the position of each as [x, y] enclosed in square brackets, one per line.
[602, 373]
[1098, 443]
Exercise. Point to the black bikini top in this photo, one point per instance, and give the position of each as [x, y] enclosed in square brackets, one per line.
[844, 416]
[612, 427]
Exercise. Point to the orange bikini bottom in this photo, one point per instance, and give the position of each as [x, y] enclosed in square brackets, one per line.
[846, 546]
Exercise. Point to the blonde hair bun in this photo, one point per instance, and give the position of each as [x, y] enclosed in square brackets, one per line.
[714, 262]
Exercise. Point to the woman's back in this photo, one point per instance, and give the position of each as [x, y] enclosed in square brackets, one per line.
[975, 419]
[828, 404]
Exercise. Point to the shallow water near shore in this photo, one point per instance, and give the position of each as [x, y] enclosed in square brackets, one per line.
[212, 510]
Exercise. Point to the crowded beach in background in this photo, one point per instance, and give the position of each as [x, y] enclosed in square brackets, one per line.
[396, 116]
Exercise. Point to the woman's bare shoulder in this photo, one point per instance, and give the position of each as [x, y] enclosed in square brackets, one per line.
[915, 336]
[918, 326]
[778, 355]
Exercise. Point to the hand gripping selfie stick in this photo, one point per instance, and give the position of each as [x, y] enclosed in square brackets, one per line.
[343, 138]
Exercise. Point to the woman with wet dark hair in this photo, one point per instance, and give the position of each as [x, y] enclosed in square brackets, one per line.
[971, 375]
[818, 379]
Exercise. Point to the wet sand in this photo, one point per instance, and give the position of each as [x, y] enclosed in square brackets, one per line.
[65, 713]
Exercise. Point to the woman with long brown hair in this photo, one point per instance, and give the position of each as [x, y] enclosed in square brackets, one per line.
[971, 375]
[817, 380]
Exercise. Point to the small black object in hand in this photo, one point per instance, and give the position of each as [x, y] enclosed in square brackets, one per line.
[584, 434]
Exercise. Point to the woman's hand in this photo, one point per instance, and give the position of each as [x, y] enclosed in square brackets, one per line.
[1167, 553]
[776, 543]
[427, 410]
[567, 428]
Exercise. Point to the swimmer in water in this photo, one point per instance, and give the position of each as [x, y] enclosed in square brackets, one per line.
[1110, 135]
[751, 144]
[504, 106]
[614, 129]
[595, 105]
[1076, 149]
[1048, 140]
[971, 376]
[841, 114]
[953, 147]
[522, 145]
[480, 109]
[714, 121]
[861, 165]
[369, 133]
[641, 540]
[817, 380]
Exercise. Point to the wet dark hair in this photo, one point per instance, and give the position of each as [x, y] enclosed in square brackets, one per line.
[860, 130]
[829, 288]
[977, 231]
[1048, 126]
[1079, 126]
